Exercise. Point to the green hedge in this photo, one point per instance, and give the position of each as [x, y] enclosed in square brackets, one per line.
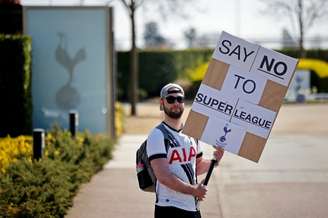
[15, 85]
[156, 68]
[46, 188]
[311, 53]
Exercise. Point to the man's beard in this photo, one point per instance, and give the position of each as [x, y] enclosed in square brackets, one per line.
[173, 114]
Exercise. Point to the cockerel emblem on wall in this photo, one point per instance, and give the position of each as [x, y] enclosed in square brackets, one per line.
[67, 96]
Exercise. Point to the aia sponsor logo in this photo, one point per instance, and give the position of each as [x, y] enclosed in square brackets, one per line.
[182, 155]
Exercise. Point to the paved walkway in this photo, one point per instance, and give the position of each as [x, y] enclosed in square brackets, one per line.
[114, 191]
[290, 181]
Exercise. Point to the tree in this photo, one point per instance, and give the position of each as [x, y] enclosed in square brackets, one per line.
[287, 40]
[190, 36]
[162, 6]
[131, 6]
[11, 17]
[303, 13]
[152, 36]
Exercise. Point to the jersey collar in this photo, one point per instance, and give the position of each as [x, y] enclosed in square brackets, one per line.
[179, 130]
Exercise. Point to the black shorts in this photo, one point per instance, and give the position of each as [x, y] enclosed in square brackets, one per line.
[173, 212]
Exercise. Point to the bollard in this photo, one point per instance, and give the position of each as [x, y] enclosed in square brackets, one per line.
[38, 143]
[73, 122]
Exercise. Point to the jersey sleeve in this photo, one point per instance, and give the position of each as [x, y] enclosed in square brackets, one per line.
[155, 145]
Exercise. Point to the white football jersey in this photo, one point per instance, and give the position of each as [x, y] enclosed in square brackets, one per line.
[182, 163]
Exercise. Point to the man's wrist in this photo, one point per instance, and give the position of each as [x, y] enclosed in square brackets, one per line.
[191, 190]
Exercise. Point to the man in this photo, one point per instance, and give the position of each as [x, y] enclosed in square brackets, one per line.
[176, 169]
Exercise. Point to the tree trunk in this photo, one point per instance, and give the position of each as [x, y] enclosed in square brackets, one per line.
[133, 65]
[301, 29]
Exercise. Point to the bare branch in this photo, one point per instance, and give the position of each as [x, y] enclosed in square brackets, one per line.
[302, 13]
[280, 7]
[126, 5]
[138, 4]
[315, 10]
[311, 14]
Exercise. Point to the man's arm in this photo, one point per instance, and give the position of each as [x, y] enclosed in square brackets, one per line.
[202, 165]
[161, 170]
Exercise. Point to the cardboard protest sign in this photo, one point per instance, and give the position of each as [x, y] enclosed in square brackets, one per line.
[240, 96]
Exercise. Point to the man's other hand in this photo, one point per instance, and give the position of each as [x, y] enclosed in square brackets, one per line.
[218, 153]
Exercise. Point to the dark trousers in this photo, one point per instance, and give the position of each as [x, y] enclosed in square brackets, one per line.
[173, 212]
